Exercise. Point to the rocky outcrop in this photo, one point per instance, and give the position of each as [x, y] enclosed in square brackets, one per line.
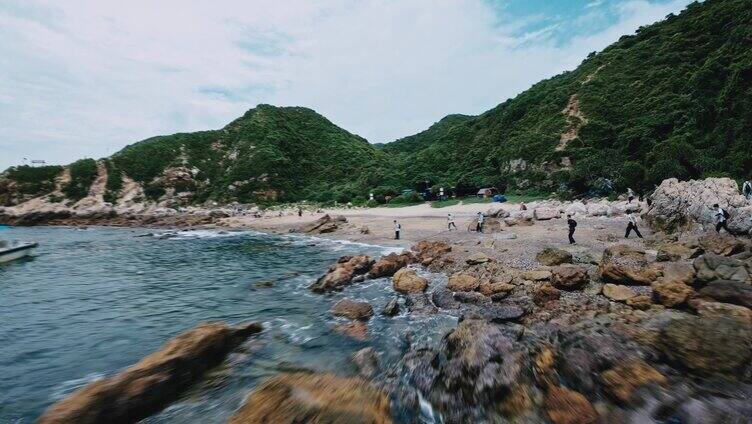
[552, 256]
[428, 251]
[544, 214]
[153, 382]
[325, 224]
[682, 203]
[733, 292]
[352, 309]
[392, 308]
[710, 267]
[622, 380]
[569, 277]
[407, 281]
[342, 273]
[463, 281]
[720, 244]
[617, 292]
[314, 398]
[389, 264]
[566, 406]
[545, 293]
[622, 264]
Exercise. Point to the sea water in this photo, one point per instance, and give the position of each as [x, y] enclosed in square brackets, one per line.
[91, 302]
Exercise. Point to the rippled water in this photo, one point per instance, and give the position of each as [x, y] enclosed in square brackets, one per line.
[91, 302]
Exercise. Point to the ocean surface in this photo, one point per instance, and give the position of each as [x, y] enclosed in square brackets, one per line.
[94, 301]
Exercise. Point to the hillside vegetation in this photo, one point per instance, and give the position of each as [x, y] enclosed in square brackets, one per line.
[672, 100]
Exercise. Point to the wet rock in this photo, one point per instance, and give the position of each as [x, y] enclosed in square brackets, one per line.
[545, 293]
[463, 282]
[712, 267]
[569, 277]
[708, 345]
[352, 309]
[407, 281]
[621, 381]
[472, 297]
[356, 330]
[389, 264]
[420, 304]
[552, 256]
[720, 244]
[342, 273]
[367, 362]
[494, 312]
[622, 264]
[565, 406]
[617, 292]
[314, 398]
[444, 299]
[671, 293]
[641, 302]
[544, 214]
[728, 292]
[477, 258]
[392, 308]
[153, 382]
[537, 275]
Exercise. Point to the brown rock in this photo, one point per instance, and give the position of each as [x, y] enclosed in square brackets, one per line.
[430, 250]
[641, 302]
[314, 398]
[566, 406]
[544, 214]
[675, 252]
[537, 275]
[720, 244]
[407, 281]
[729, 292]
[342, 273]
[569, 277]
[545, 293]
[519, 221]
[552, 256]
[156, 380]
[389, 264]
[714, 310]
[325, 224]
[354, 329]
[622, 264]
[617, 292]
[463, 282]
[517, 401]
[489, 288]
[621, 381]
[352, 309]
[671, 293]
[477, 259]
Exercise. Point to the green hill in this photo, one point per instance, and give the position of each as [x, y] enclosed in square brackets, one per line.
[673, 100]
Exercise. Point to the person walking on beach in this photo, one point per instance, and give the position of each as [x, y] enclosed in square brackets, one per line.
[632, 225]
[721, 216]
[450, 222]
[479, 225]
[630, 195]
[572, 226]
[300, 212]
[397, 228]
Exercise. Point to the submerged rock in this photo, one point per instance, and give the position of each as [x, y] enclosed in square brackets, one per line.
[153, 382]
[391, 308]
[356, 330]
[367, 362]
[352, 309]
[314, 398]
[342, 273]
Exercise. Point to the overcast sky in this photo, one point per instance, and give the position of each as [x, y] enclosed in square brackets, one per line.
[84, 78]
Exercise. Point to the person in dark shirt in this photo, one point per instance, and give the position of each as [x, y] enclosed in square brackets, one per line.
[572, 225]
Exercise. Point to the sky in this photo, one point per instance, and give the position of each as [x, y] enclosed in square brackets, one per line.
[84, 78]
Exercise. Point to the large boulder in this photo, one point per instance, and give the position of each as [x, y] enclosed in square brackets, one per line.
[407, 281]
[153, 382]
[569, 277]
[389, 264]
[622, 264]
[552, 256]
[325, 224]
[342, 273]
[352, 309]
[733, 292]
[740, 221]
[671, 293]
[314, 398]
[720, 244]
[463, 282]
[678, 203]
[714, 310]
[545, 293]
[544, 214]
[427, 251]
[710, 267]
[708, 345]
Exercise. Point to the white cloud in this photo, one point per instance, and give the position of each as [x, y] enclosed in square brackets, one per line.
[83, 78]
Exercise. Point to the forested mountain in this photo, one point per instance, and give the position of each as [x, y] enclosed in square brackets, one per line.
[673, 100]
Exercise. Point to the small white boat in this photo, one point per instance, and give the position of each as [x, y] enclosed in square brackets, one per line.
[14, 250]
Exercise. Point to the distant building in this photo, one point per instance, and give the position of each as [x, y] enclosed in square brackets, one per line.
[486, 192]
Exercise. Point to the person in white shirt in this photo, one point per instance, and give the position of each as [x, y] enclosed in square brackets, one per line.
[450, 222]
[632, 225]
[397, 228]
[630, 195]
[479, 225]
[720, 217]
[747, 189]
